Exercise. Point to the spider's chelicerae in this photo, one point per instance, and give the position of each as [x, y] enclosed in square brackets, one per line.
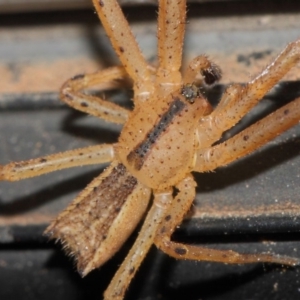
[168, 135]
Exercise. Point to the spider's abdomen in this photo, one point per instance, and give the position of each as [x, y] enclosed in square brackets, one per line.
[164, 142]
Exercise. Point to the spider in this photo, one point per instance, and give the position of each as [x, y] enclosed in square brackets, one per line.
[171, 132]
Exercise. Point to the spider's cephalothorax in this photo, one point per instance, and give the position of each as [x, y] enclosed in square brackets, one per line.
[161, 137]
[171, 132]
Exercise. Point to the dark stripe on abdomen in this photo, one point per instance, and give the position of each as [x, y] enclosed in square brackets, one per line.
[138, 155]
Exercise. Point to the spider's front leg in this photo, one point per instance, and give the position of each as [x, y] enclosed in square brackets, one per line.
[170, 34]
[175, 214]
[235, 103]
[125, 45]
[249, 139]
[238, 99]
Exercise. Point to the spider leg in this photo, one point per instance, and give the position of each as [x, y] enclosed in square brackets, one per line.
[34, 167]
[171, 26]
[125, 45]
[130, 265]
[72, 95]
[175, 215]
[249, 139]
[238, 100]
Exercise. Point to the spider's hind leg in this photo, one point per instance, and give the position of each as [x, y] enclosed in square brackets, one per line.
[35, 167]
[175, 214]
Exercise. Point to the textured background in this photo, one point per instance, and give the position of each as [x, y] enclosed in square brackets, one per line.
[252, 205]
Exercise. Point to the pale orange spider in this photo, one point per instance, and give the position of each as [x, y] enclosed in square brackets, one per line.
[171, 132]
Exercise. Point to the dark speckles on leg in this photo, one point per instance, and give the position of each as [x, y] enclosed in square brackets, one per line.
[246, 137]
[163, 230]
[43, 160]
[68, 95]
[180, 251]
[286, 112]
[168, 218]
[84, 104]
[101, 3]
[131, 271]
[79, 76]
[122, 50]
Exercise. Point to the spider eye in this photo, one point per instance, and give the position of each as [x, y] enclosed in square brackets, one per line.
[190, 92]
